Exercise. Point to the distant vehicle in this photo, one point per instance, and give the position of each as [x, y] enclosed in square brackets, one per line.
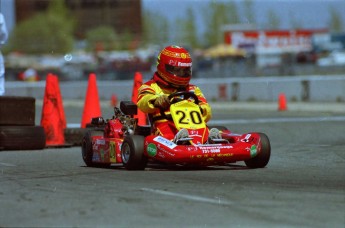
[306, 57]
[335, 58]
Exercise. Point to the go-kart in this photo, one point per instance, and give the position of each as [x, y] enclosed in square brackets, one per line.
[121, 140]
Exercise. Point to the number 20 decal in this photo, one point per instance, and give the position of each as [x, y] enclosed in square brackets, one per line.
[194, 116]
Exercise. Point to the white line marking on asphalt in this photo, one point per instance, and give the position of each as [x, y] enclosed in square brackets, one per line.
[217, 201]
[279, 120]
[6, 164]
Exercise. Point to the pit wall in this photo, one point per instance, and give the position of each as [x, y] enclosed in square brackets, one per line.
[305, 88]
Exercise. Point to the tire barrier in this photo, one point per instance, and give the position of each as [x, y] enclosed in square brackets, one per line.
[17, 111]
[22, 138]
[17, 124]
[74, 136]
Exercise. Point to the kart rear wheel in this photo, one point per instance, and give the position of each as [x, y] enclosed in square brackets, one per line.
[132, 152]
[261, 160]
[86, 148]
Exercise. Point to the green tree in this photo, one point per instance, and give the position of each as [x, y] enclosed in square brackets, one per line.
[335, 23]
[295, 24]
[155, 28]
[102, 38]
[126, 40]
[179, 35]
[249, 12]
[273, 20]
[216, 15]
[187, 32]
[49, 32]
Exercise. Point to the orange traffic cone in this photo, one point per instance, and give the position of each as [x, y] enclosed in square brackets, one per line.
[138, 81]
[282, 106]
[59, 102]
[113, 101]
[92, 106]
[51, 120]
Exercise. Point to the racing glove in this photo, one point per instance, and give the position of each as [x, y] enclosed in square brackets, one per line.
[162, 102]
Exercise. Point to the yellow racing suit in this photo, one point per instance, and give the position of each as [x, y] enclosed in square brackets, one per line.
[147, 94]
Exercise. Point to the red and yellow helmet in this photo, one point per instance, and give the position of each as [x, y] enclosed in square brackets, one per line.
[174, 66]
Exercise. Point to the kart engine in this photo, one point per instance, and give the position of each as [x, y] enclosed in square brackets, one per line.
[128, 122]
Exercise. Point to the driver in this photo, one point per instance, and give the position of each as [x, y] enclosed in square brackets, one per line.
[174, 71]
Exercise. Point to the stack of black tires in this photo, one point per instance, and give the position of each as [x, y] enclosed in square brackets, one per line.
[74, 136]
[17, 124]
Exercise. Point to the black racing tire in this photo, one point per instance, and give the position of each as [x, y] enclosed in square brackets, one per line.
[22, 138]
[74, 136]
[132, 152]
[86, 148]
[17, 111]
[262, 159]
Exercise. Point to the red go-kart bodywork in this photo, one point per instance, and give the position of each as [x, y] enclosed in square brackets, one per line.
[121, 141]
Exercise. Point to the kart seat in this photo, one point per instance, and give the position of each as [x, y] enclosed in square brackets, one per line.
[143, 130]
[216, 141]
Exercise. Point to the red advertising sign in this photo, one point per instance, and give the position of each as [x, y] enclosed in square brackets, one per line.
[272, 39]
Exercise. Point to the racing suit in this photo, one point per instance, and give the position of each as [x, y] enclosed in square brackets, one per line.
[150, 90]
[3, 38]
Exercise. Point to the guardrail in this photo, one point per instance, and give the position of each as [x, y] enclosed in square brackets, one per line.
[296, 88]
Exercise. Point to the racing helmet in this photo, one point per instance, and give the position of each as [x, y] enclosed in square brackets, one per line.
[174, 66]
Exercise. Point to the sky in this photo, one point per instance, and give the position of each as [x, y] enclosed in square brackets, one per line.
[310, 13]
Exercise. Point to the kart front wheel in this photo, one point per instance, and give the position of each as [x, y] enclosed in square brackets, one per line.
[262, 158]
[132, 152]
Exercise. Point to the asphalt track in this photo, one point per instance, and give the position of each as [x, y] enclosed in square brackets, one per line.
[302, 186]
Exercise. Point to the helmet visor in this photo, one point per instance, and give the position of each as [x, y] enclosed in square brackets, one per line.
[183, 72]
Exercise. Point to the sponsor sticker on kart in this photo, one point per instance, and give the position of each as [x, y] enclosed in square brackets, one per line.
[100, 141]
[246, 139]
[112, 151]
[151, 150]
[253, 151]
[95, 157]
[165, 142]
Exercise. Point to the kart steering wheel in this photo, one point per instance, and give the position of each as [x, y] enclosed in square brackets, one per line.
[176, 97]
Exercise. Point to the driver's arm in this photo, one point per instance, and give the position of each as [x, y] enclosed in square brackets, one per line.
[205, 107]
[146, 97]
